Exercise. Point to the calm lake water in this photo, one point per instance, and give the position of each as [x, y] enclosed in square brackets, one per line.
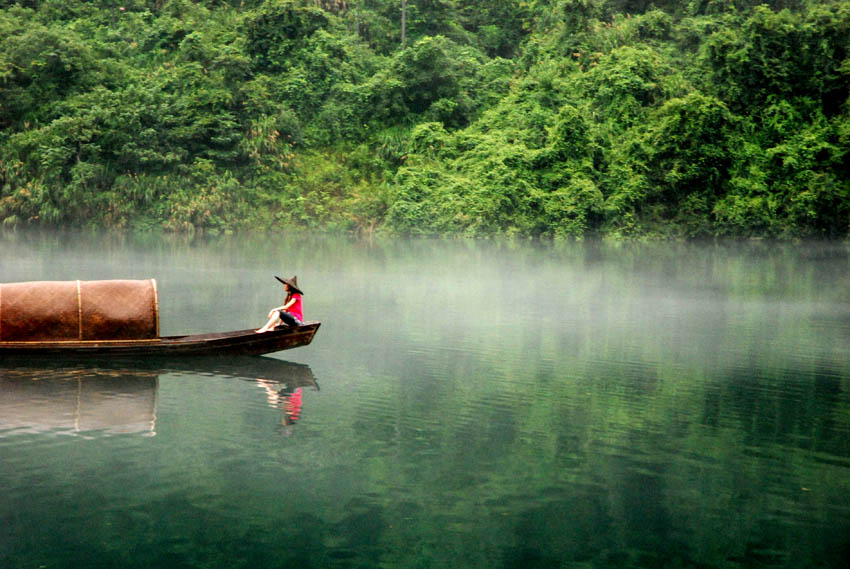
[464, 405]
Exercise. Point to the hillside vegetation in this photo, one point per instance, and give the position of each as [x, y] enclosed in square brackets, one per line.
[539, 118]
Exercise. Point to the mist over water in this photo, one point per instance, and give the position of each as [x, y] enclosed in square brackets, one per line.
[465, 404]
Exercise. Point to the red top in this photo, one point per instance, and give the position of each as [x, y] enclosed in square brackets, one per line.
[292, 405]
[295, 309]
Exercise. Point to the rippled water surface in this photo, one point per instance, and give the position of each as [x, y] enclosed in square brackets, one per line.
[463, 405]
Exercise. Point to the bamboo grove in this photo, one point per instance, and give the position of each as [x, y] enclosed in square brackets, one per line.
[534, 118]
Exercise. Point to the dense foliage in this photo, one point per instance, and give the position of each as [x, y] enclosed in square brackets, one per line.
[559, 118]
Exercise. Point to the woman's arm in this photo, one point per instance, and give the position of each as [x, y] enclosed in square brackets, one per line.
[275, 309]
[284, 307]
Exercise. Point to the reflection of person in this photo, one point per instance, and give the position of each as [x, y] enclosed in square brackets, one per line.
[289, 312]
[291, 405]
[287, 399]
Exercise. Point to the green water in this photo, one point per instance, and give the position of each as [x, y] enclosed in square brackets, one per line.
[463, 405]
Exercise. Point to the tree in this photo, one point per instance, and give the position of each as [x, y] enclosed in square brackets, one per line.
[403, 24]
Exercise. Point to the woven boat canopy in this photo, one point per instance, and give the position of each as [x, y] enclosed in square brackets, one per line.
[79, 310]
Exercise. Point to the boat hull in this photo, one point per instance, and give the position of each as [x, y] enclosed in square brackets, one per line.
[238, 342]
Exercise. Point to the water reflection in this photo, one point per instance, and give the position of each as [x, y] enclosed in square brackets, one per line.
[98, 398]
[571, 405]
[78, 401]
[284, 392]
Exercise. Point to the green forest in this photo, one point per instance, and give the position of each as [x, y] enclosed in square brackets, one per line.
[565, 119]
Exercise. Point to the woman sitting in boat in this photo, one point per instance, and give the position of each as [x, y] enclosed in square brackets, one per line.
[290, 312]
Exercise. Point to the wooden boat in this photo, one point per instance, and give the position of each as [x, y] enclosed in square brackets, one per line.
[243, 342]
[116, 318]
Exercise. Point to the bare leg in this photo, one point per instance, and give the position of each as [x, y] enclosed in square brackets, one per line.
[273, 321]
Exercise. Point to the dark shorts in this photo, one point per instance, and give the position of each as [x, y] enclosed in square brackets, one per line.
[288, 318]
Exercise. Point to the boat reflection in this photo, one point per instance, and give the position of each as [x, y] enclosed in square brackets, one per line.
[78, 401]
[90, 398]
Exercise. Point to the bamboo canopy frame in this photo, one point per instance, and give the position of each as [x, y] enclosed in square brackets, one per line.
[79, 310]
